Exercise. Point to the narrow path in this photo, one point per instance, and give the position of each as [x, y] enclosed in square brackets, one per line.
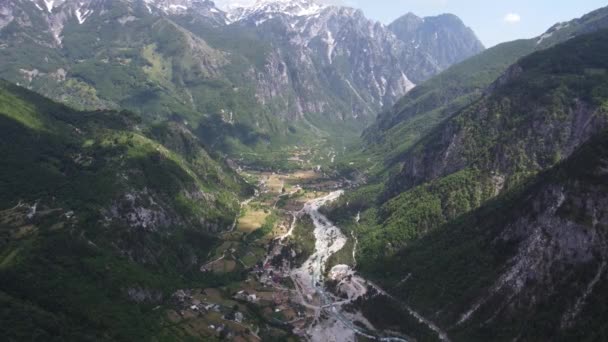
[243, 204]
[204, 267]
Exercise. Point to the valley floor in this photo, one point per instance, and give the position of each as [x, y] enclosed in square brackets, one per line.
[293, 288]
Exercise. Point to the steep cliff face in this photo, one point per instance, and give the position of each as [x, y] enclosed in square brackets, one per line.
[537, 113]
[363, 63]
[445, 37]
[335, 60]
[530, 266]
[540, 111]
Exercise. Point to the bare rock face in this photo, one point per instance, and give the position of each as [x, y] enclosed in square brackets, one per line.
[558, 248]
[139, 210]
[551, 248]
[6, 14]
[444, 38]
[143, 295]
[544, 135]
[331, 59]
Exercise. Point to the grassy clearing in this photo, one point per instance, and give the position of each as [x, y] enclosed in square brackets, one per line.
[223, 266]
[159, 69]
[303, 175]
[252, 220]
[275, 184]
[253, 256]
[21, 111]
[9, 258]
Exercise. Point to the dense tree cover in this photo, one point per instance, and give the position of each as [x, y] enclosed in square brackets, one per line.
[525, 124]
[66, 262]
[396, 130]
[455, 264]
[424, 219]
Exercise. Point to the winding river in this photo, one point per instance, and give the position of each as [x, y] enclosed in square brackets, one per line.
[326, 317]
[336, 324]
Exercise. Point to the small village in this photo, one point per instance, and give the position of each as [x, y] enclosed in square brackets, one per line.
[267, 298]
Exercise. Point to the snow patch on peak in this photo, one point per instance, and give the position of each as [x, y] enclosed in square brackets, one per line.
[331, 45]
[292, 8]
[409, 85]
[37, 5]
[51, 4]
[168, 6]
[180, 6]
[82, 14]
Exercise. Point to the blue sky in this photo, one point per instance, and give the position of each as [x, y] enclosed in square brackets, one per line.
[494, 21]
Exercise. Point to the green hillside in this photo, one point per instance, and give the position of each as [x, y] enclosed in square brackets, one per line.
[95, 210]
[548, 104]
[514, 258]
[432, 102]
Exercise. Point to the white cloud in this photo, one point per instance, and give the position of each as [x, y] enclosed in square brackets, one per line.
[512, 18]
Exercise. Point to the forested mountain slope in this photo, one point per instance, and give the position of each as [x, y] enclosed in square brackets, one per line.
[537, 114]
[100, 220]
[493, 224]
[398, 129]
[477, 198]
[531, 265]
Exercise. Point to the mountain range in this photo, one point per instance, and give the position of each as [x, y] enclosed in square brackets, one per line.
[275, 72]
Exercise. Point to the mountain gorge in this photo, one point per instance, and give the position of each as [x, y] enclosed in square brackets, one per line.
[457, 186]
[530, 118]
[398, 128]
[276, 72]
[523, 122]
[291, 170]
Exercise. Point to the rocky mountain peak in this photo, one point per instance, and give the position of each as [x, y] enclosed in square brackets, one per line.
[181, 6]
[409, 20]
[47, 5]
[444, 37]
[269, 8]
[165, 6]
[324, 59]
